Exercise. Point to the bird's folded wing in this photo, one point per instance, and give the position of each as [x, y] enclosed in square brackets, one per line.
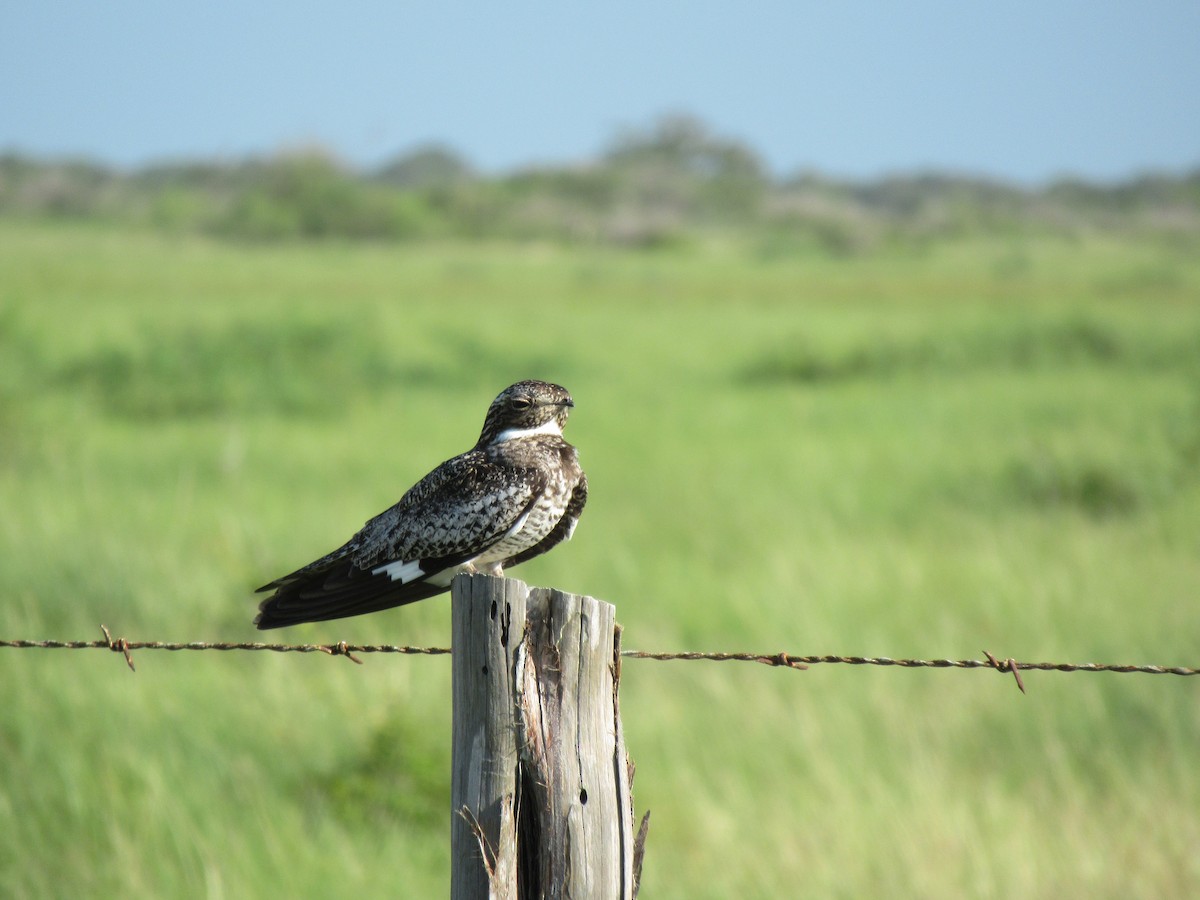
[453, 514]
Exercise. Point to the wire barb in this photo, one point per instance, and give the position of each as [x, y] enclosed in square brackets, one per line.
[341, 648]
[782, 659]
[120, 645]
[1009, 665]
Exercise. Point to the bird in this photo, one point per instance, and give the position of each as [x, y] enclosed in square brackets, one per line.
[514, 495]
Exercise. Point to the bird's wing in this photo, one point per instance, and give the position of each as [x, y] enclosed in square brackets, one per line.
[562, 531]
[453, 514]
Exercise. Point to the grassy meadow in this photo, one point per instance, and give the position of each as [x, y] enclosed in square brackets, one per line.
[978, 444]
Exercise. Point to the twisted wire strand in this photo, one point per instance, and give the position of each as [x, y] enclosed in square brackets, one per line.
[786, 660]
[796, 661]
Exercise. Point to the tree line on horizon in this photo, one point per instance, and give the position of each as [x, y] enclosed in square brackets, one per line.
[657, 186]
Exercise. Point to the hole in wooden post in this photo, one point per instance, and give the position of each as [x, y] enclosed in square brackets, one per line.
[583, 796]
[494, 607]
[485, 670]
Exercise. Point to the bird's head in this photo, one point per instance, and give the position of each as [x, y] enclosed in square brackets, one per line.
[526, 408]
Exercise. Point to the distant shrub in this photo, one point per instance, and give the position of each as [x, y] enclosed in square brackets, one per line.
[429, 166]
[654, 186]
[1096, 489]
[1072, 341]
[297, 368]
[311, 197]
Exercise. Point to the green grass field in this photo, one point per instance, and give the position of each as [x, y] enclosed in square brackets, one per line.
[985, 444]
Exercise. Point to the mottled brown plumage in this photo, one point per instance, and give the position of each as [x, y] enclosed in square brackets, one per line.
[518, 492]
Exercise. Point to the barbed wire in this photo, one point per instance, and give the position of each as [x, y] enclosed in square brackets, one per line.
[786, 660]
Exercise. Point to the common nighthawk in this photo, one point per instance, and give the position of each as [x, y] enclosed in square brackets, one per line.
[514, 495]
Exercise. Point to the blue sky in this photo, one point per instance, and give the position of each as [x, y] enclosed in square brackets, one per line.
[1020, 90]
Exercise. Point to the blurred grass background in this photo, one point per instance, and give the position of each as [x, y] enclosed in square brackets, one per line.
[929, 448]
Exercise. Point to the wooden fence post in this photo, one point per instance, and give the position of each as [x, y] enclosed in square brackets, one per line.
[541, 798]
[488, 628]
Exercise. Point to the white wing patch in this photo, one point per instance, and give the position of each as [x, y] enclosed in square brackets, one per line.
[401, 571]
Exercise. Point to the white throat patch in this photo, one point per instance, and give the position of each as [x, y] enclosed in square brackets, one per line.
[548, 427]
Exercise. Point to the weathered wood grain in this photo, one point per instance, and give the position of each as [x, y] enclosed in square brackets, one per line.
[540, 738]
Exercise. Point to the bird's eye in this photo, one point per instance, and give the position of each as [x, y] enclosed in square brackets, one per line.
[521, 403]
